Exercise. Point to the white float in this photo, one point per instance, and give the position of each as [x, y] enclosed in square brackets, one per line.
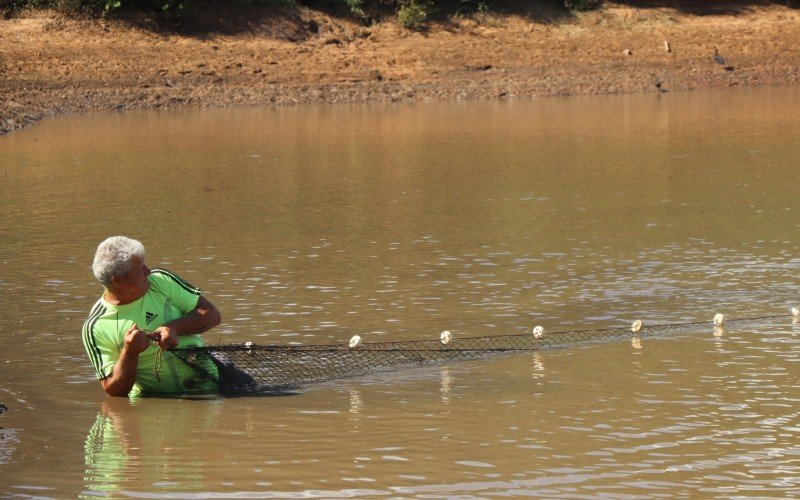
[355, 341]
[636, 326]
[538, 332]
[445, 337]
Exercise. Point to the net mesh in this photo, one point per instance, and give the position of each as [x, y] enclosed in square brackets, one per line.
[247, 368]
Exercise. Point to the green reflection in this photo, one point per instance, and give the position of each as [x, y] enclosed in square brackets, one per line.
[135, 443]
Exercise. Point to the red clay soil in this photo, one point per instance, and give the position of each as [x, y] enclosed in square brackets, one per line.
[53, 64]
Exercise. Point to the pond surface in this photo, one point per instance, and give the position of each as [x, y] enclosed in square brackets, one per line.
[311, 224]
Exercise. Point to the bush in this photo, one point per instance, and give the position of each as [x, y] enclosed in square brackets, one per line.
[356, 7]
[412, 14]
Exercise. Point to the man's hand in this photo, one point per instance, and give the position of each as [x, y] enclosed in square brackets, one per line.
[121, 379]
[165, 337]
[136, 340]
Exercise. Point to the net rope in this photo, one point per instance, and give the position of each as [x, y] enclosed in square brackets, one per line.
[247, 368]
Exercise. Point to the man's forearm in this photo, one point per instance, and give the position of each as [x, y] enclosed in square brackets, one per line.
[123, 376]
[201, 319]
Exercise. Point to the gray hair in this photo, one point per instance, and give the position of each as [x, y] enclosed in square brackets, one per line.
[113, 257]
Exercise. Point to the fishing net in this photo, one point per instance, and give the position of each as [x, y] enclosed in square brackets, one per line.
[248, 368]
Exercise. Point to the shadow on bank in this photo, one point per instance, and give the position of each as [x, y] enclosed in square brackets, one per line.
[300, 20]
[706, 7]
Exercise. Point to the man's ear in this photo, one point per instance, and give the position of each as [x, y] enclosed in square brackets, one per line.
[116, 281]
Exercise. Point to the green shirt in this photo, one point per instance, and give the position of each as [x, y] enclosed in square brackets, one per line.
[169, 297]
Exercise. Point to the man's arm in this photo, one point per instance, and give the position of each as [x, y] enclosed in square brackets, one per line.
[123, 375]
[202, 318]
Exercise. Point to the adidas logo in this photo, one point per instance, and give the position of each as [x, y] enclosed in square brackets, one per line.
[149, 317]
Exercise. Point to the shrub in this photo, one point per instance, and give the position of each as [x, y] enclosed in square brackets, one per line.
[356, 7]
[412, 14]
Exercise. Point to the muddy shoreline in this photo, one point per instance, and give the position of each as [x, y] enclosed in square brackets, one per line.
[51, 64]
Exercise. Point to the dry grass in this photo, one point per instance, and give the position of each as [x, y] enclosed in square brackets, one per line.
[51, 65]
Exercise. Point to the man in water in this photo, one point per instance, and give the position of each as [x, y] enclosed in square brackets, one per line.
[144, 312]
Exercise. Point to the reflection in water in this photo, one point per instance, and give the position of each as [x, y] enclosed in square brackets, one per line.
[148, 442]
[8, 442]
[356, 405]
[446, 383]
[538, 366]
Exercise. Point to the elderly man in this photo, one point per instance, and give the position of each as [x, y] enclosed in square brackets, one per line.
[142, 313]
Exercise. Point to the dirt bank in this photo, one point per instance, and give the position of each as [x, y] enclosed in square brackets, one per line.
[51, 64]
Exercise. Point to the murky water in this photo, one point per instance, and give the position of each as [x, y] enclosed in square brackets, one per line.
[309, 225]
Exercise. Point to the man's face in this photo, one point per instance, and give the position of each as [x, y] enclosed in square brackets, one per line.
[134, 283]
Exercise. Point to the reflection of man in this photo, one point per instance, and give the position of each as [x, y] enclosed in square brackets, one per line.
[8, 441]
[141, 305]
[128, 434]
